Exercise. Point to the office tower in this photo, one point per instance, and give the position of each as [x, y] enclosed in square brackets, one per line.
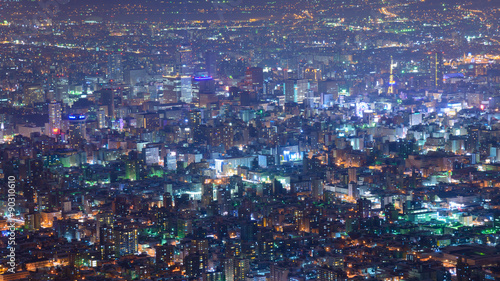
[77, 129]
[436, 69]
[415, 119]
[353, 175]
[186, 89]
[148, 121]
[184, 61]
[202, 85]
[177, 89]
[171, 89]
[254, 79]
[126, 242]
[228, 135]
[211, 63]
[135, 168]
[55, 119]
[61, 89]
[151, 155]
[223, 199]
[133, 77]
[115, 67]
[296, 90]
[101, 118]
[472, 139]
[107, 98]
[196, 133]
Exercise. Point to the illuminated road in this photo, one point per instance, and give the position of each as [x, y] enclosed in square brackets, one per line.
[386, 12]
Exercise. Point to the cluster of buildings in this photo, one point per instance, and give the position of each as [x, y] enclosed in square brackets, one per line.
[326, 144]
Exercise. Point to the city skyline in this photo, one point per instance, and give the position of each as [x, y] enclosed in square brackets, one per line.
[230, 140]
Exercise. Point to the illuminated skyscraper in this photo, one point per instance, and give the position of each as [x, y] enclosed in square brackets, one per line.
[295, 90]
[55, 119]
[77, 129]
[436, 69]
[391, 79]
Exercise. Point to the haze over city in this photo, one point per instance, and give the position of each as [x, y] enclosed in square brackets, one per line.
[235, 140]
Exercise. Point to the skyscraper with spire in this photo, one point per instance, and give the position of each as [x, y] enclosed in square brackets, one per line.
[391, 79]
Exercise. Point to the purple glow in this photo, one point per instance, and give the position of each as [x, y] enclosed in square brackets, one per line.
[203, 78]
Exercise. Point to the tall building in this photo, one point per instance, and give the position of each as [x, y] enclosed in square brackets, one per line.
[55, 119]
[126, 241]
[177, 88]
[391, 78]
[242, 267]
[228, 135]
[296, 90]
[106, 241]
[211, 63]
[254, 79]
[184, 61]
[148, 121]
[77, 129]
[229, 269]
[195, 125]
[61, 89]
[203, 85]
[101, 118]
[186, 89]
[103, 220]
[353, 175]
[115, 67]
[107, 98]
[436, 69]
